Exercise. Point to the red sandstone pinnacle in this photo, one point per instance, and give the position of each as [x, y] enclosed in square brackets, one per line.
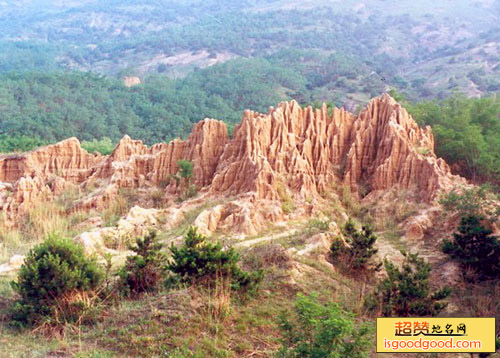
[309, 151]
[291, 150]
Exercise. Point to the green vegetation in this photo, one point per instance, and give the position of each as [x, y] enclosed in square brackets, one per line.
[27, 56]
[356, 249]
[476, 201]
[57, 281]
[318, 225]
[467, 132]
[184, 178]
[185, 169]
[144, 270]
[54, 106]
[104, 146]
[287, 202]
[201, 262]
[364, 52]
[19, 143]
[475, 248]
[215, 58]
[406, 291]
[322, 330]
[39, 108]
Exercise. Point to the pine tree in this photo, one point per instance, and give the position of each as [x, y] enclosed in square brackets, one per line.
[142, 272]
[49, 278]
[199, 262]
[406, 291]
[475, 248]
[358, 248]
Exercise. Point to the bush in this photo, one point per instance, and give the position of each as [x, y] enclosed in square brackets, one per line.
[357, 251]
[406, 292]
[467, 202]
[185, 169]
[184, 178]
[318, 330]
[287, 203]
[187, 193]
[318, 225]
[104, 146]
[55, 281]
[20, 143]
[466, 132]
[201, 262]
[142, 272]
[475, 248]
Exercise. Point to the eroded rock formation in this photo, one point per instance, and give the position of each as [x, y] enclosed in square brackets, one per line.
[309, 151]
[291, 153]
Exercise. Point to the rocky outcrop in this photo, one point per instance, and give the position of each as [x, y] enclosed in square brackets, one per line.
[290, 154]
[310, 151]
[133, 164]
[131, 81]
[13, 265]
[293, 148]
[388, 148]
[42, 173]
[66, 160]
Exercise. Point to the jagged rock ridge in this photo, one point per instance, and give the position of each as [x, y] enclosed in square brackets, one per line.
[293, 151]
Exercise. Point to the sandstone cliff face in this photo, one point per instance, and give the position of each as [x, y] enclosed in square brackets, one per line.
[388, 148]
[132, 164]
[310, 151]
[291, 147]
[290, 152]
[42, 173]
[65, 159]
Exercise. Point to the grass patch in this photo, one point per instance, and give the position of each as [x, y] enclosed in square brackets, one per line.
[120, 206]
[43, 218]
[287, 203]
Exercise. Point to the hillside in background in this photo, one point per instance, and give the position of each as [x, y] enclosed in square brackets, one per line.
[427, 49]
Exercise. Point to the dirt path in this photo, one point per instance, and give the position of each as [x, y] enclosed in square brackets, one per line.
[252, 242]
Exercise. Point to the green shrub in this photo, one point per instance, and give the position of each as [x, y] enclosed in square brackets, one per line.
[475, 248]
[287, 203]
[316, 330]
[104, 146]
[188, 192]
[200, 262]
[406, 292]
[356, 251]
[468, 202]
[185, 169]
[184, 178]
[55, 280]
[318, 225]
[20, 143]
[466, 132]
[143, 271]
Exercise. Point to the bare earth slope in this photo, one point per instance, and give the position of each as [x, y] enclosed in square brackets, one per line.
[291, 152]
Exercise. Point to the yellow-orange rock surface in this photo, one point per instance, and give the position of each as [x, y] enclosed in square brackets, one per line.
[291, 152]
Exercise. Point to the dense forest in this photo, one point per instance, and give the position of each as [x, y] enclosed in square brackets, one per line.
[467, 133]
[53, 106]
[425, 53]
